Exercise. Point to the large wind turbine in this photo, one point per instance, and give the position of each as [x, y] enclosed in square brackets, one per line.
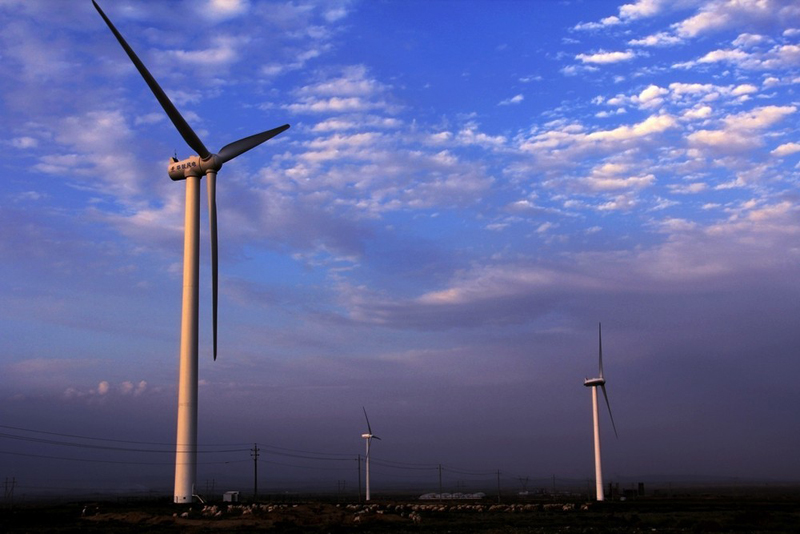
[369, 436]
[192, 170]
[594, 383]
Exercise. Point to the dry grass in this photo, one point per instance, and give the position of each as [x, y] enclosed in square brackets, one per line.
[772, 513]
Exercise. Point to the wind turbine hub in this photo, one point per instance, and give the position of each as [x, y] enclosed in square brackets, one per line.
[192, 166]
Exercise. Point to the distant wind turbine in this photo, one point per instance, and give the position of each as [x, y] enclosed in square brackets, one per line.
[369, 436]
[192, 170]
[594, 383]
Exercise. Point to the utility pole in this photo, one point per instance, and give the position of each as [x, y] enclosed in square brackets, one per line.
[498, 485]
[254, 453]
[9, 493]
[358, 460]
[440, 481]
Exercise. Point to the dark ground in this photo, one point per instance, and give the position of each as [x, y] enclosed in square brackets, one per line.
[774, 511]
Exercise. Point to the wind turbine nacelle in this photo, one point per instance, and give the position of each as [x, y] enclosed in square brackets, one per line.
[366, 436]
[589, 382]
[192, 166]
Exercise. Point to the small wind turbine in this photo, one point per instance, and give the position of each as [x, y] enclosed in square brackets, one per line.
[593, 383]
[192, 169]
[369, 436]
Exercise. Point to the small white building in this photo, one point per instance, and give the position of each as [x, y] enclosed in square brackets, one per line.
[230, 496]
[452, 496]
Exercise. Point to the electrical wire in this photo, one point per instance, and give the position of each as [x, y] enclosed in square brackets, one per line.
[102, 447]
[393, 465]
[88, 460]
[273, 450]
[112, 440]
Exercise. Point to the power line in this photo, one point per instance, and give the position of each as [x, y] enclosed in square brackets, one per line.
[398, 465]
[407, 465]
[113, 440]
[306, 457]
[110, 461]
[349, 456]
[101, 447]
[273, 450]
[314, 467]
[472, 473]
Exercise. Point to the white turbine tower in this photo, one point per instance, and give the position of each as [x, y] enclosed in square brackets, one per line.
[369, 436]
[192, 170]
[594, 383]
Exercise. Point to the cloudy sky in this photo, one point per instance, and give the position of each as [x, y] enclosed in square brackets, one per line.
[467, 189]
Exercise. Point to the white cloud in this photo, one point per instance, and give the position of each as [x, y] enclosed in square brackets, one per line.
[681, 89]
[28, 196]
[731, 55]
[224, 9]
[619, 203]
[659, 39]
[688, 189]
[129, 388]
[698, 113]
[224, 51]
[607, 21]
[674, 224]
[513, 100]
[353, 82]
[722, 14]
[357, 123]
[726, 140]
[652, 96]
[651, 125]
[334, 105]
[749, 40]
[300, 59]
[150, 118]
[545, 227]
[614, 183]
[335, 14]
[469, 135]
[759, 118]
[642, 9]
[24, 142]
[440, 137]
[605, 58]
[778, 57]
[353, 91]
[740, 131]
[629, 12]
[744, 89]
[786, 149]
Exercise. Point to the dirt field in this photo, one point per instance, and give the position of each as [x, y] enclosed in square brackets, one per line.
[775, 513]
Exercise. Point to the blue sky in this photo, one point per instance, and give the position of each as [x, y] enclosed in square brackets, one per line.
[466, 190]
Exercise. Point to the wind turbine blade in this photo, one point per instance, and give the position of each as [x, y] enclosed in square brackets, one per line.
[603, 386]
[230, 151]
[600, 339]
[369, 428]
[375, 437]
[180, 123]
[211, 183]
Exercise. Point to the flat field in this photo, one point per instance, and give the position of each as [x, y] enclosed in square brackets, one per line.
[773, 512]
